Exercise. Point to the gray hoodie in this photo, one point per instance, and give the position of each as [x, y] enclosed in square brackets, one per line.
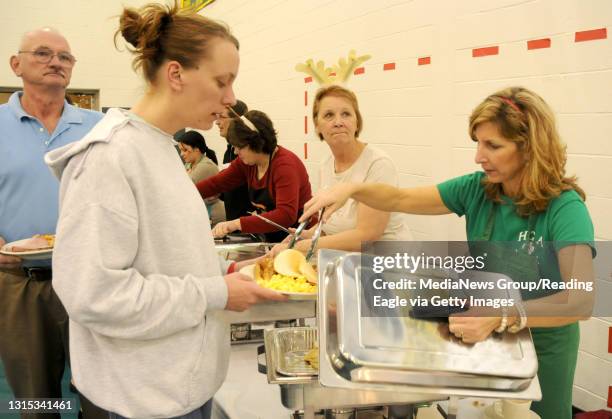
[136, 268]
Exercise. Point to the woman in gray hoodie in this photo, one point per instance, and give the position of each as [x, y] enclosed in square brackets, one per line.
[143, 288]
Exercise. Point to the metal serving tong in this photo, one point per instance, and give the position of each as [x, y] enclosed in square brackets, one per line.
[296, 235]
[315, 237]
[280, 227]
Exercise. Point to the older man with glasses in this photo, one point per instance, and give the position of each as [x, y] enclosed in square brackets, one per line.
[33, 322]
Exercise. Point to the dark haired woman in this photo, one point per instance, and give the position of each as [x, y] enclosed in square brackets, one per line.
[276, 178]
[138, 274]
[201, 163]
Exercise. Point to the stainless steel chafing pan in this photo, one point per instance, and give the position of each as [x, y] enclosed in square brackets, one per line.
[290, 347]
[359, 347]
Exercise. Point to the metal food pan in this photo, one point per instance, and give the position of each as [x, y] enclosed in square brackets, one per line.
[290, 347]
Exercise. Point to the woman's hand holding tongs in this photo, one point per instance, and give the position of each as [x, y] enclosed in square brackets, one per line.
[300, 245]
[301, 239]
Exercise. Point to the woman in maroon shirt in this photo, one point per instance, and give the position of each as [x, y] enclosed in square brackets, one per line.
[276, 178]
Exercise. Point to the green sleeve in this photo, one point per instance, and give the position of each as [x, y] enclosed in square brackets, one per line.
[570, 222]
[460, 192]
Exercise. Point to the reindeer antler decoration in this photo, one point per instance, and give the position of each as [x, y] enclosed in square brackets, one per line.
[338, 73]
[320, 73]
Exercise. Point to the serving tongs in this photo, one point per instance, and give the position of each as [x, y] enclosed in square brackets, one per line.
[272, 223]
[315, 237]
[296, 235]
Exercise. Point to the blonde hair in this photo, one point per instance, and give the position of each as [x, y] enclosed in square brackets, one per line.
[524, 118]
[158, 33]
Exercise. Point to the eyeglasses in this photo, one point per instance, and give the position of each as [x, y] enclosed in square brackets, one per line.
[44, 56]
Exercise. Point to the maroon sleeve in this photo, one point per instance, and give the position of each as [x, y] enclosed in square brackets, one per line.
[226, 180]
[286, 184]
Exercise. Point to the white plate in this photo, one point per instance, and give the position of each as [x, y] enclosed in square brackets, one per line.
[299, 295]
[249, 270]
[495, 412]
[27, 255]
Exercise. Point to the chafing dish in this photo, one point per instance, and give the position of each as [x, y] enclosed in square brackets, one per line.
[374, 361]
[360, 350]
[239, 249]
[304, 391]
[291, 346]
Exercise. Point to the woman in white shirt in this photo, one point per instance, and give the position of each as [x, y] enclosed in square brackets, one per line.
[338, 122]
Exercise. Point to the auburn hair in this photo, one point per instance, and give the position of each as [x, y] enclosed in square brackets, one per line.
[337, 91]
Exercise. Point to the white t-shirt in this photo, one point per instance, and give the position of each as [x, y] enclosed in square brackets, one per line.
[372, 166]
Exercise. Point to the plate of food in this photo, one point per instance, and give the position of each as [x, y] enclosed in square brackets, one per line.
[40, 246]
[288, 273]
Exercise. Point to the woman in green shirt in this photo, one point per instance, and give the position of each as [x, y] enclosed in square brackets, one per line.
[522, 196]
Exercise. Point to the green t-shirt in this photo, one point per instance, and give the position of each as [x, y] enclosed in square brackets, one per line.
[566, 221]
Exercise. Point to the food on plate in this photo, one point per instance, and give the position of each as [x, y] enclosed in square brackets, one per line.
[288, 262]
[312, 357]
[309, 272]
[37, 242]
[287, 272]
[264, 269]
[290, 284]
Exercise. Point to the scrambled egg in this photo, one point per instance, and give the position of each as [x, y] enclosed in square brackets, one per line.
[50, 238]
[284, 283]
[312, 357]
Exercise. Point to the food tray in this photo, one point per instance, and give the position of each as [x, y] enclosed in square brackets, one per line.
[290, 346]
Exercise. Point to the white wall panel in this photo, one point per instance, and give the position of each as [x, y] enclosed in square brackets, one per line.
[589, 402]
[593, 374]
[594, 338]
[587, 133]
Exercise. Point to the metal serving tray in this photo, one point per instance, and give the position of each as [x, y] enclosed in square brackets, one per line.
[359, 348]
[237, 251]
[290, 347]
[305, 392]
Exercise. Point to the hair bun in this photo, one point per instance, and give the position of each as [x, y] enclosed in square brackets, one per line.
[144, 28]
[130, 24]
[156, 32]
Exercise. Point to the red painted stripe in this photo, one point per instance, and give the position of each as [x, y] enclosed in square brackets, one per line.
[305, 124]
[609, 396]
[305, 98]
[307, 79]
[538, 43]
[389, 66]
[591, 35]
[482, 52]
[424, 60]
[305, 151]
[359, 70]
[610, 340]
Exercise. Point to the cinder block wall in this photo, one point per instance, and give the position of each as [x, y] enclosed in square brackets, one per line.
[432, 62]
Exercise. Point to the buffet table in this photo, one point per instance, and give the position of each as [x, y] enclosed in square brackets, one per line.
[353, 373]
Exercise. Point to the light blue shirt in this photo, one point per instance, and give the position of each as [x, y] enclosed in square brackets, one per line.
[28, 190]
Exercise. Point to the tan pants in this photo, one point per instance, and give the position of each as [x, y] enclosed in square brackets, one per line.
[33, 339]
